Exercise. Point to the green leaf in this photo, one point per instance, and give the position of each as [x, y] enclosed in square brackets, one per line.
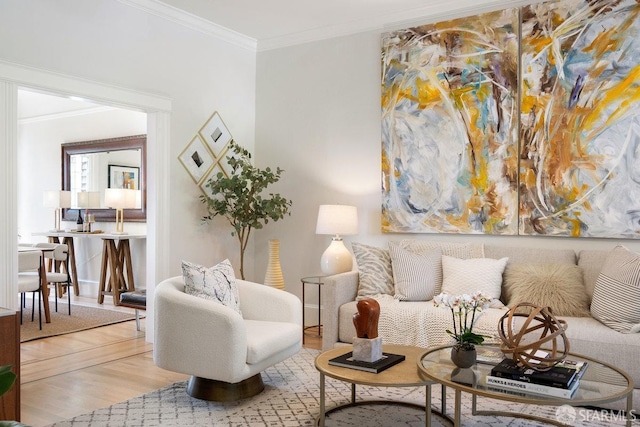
[7, 379]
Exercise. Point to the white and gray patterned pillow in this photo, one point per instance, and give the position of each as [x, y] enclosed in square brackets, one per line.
[417, 277]
[374, 268]
[456, 250]
[217, 283]
[616, 296]
[467, 276]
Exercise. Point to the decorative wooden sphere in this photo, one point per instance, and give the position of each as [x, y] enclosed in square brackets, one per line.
[538, 330]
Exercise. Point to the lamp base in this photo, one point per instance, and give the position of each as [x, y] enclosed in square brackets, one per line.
[336, 258]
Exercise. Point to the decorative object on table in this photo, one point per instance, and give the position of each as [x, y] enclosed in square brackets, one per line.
[197, 159]
[87, 200]
[238, 197]
[120, 199]
[386, 361]
[57, 199]
[538, 329]
[339, 220]
[274, 277]
[463, 311]
[367, 345]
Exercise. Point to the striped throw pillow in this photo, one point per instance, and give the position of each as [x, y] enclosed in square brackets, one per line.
[374, 269]
[616, 296]
[417, 277]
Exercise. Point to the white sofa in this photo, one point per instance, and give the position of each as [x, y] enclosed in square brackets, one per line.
[224, 351]
[586, 335]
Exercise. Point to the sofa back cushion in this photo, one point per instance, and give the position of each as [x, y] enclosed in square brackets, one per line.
[591, 263]
[520, 255]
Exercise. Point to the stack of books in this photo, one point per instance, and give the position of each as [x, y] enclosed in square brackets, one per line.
[562, 380]
[347, 361]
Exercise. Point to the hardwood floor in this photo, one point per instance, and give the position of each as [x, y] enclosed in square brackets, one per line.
[68, 375]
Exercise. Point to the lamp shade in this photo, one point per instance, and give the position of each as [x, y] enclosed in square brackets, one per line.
[57, 199]
[337, 219]
[121, 198]
[88, 199]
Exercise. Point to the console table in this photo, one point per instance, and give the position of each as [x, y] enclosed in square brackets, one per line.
[116, 272]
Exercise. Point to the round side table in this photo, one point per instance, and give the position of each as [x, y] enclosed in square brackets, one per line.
[318, 281]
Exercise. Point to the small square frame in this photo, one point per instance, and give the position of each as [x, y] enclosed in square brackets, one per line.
[120, 176]
[215, 134]
[197, 159]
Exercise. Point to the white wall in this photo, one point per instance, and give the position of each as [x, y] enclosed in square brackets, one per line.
[109, 42]
[39, 170]
[318, 117]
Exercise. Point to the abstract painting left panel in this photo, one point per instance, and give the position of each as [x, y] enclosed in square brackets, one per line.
[450, 126]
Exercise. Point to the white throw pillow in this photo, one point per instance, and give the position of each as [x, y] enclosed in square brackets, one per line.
[616, 296]
[217, 283]
[467, 276]
[374, 269]
[417, 277]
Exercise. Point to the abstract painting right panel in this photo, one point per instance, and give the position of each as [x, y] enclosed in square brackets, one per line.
[580, 119]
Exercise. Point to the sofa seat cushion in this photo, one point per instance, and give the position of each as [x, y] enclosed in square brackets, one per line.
[589, 337]
[264, 339]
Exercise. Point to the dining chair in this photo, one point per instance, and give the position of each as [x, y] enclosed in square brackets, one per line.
[29, 280]
[59, 255]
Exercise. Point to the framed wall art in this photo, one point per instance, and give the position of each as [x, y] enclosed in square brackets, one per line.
[215, 134]
[123, 177]
[213, 173]
[197, 159]
[519, 121]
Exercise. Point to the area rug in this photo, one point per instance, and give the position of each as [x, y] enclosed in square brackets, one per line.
[81, 318]
[291, 398]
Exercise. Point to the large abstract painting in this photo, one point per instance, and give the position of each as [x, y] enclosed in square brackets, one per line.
[580, 112]
[449, 126]
[520, 121]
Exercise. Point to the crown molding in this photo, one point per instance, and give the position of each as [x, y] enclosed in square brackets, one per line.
[194, 22]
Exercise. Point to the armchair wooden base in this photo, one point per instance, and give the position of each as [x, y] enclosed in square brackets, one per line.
[220, 391]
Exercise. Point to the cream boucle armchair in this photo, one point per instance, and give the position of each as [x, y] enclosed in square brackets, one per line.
[223, 351]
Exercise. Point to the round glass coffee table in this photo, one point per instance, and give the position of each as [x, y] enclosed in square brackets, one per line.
[404, 374]
[601, 383]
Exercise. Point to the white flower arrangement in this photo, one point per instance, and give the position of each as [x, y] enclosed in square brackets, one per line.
[461, 306]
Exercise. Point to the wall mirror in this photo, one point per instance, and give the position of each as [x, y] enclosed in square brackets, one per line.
[106, 163]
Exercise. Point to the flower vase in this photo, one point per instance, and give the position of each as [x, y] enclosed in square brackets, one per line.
[274, 277]
[463, 357]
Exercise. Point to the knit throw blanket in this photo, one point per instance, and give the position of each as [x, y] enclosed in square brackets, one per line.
[421, 324]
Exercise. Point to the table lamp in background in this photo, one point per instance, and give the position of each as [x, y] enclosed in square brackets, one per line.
[120, 199]
[57, 199]
[337, 220]
[88, 200]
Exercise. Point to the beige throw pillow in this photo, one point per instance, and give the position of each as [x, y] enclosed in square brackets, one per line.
[616, 296]
[468, 276]
[374, 270]
[417, 277]
[558, 286]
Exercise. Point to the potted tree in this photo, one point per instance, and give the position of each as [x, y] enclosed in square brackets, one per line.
[240, 199]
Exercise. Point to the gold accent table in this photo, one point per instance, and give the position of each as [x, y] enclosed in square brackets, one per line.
[404, 374]
[601, 383]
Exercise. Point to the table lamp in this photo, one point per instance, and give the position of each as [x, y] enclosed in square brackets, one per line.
[337, 220]
[120, 199]
[57, 199]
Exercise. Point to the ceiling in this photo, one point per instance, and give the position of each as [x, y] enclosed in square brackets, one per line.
[36, 105]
